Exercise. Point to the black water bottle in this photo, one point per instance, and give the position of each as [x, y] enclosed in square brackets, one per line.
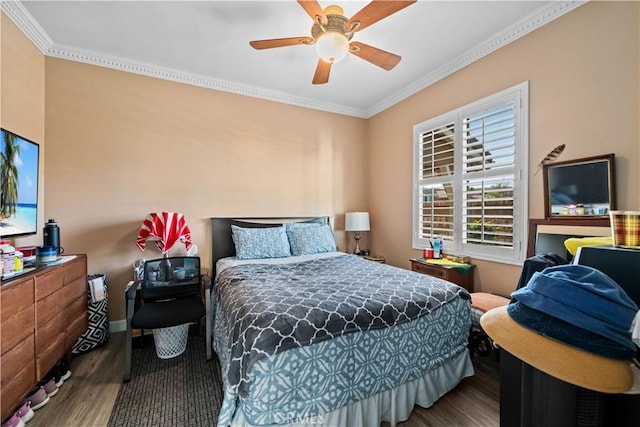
[51, 233]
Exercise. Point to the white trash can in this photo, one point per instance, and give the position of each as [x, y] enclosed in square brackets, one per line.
[171, 342]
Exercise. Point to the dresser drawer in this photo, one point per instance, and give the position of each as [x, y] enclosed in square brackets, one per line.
[48, 307]
[431, 271]
[49, 332]
[16, 328]
[75, 289]
[16, 321]
[18, 386]
[75, 328]
[16, 297]
[75, 269]
[48, 283]
[76, 308]
[49, 357]
[17, 359]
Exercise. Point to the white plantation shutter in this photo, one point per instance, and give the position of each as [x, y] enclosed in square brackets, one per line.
[488, 152]
[470, 169]
[436, 169]
[488, 211]
[437, 152]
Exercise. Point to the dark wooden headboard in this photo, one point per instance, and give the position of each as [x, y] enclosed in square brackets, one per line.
[222, 242]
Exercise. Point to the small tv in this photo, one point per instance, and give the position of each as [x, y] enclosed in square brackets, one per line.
[18, 185]
[580, 188]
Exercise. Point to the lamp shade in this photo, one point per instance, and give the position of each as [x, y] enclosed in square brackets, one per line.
[165, 229]
[357, 221]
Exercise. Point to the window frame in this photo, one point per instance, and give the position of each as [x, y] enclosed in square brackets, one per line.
[519, 95]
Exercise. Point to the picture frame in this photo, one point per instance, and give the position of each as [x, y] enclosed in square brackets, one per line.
[580, 188]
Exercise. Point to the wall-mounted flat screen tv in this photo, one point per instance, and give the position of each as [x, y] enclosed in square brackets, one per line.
[18, 185]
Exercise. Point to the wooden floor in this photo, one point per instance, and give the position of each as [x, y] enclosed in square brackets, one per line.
[475, 402]
[87, 397]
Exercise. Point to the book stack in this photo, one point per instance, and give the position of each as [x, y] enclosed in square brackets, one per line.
[463, 259]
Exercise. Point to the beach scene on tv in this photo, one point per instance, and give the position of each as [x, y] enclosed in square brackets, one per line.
[18, 185]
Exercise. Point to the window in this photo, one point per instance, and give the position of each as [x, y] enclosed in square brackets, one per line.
[470, 178]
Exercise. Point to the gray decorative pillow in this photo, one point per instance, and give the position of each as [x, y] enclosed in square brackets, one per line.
[258, 243]
[311, 240]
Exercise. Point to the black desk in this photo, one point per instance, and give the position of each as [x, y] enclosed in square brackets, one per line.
[131, 294]
[531, 398]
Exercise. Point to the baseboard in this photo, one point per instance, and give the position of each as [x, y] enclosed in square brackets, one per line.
[118, 326]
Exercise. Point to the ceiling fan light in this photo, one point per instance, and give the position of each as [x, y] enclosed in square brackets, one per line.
[332, 46]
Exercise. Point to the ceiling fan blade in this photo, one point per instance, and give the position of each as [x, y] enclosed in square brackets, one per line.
[376, 11]
[379, 57]
[314, 10]
[289, 41]
[322, 72]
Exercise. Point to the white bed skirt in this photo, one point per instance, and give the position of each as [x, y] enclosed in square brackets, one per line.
[392, 406]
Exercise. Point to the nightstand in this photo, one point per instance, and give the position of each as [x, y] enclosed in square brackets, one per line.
[452, 274]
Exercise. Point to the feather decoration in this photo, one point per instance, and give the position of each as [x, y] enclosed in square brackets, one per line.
[553, 154]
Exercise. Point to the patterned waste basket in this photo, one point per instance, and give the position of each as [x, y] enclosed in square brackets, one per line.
[97, 333]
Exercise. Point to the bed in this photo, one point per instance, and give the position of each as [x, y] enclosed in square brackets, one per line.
[320, 337]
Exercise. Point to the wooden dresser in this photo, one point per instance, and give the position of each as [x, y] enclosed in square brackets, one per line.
[42, 315]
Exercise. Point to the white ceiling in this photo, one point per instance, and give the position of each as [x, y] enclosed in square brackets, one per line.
[206, 43]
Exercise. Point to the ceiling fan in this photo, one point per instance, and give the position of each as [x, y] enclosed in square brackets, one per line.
[331, 32]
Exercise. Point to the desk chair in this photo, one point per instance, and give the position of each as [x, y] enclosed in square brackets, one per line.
[170, 294]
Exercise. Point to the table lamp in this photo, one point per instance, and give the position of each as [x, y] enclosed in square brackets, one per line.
[357, 222]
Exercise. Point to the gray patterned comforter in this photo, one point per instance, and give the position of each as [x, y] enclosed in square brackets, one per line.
[267, 308]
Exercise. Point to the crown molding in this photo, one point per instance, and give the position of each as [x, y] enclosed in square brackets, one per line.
[512, 33]
[30, 27]
[73, 54]
[27, 24]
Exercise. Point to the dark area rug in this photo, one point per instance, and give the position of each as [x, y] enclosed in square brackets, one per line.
[182, 391]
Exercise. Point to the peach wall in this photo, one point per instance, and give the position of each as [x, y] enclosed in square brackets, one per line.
[583, 70]
[121, 145]
[22, 100]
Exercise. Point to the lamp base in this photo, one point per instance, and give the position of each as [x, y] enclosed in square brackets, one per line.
[356, 251]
